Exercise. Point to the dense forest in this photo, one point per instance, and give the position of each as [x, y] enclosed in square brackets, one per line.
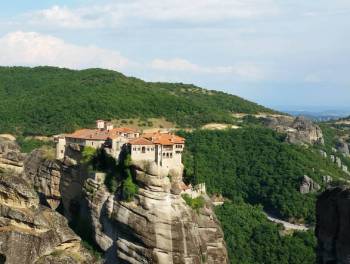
[255, 165]
[251, 238]
[48, 100]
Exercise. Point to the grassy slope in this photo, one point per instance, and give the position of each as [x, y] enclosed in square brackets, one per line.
[47, 100]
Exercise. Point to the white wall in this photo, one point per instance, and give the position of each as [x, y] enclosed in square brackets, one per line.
[137, 154]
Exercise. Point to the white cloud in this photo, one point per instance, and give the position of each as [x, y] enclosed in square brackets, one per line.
[250, 71]
[129, 11]
[31, 48]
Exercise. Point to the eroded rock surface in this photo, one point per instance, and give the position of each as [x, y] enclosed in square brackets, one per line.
[333, 226]
[32, 233]
[10, 156]
[299, 130]
[157, 226]
[308, 185]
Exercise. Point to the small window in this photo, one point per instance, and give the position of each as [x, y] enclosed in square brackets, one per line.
[171, 155]
[143, 149]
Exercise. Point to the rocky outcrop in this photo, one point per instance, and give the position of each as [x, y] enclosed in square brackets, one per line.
[46, 177]
[343, 148]
[299, 130]
[308, 185]
[10, 156]
[333, 226]
[32, 233]
[157, 226]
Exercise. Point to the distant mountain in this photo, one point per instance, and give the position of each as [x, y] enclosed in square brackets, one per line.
[48, 100]
[318, 113]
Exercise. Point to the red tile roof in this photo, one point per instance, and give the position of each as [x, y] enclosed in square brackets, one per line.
[140, 141]
[94, 134]
[164, 138]
[97, 134]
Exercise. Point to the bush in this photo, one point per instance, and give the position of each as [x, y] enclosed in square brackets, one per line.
[88, 155]
[194, 203]
[48, 152]
[111, 182]
[129, 188]
[28, 145]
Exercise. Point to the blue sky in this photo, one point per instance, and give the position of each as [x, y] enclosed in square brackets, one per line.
[275, 52]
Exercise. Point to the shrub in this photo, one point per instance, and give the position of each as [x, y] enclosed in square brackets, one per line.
[48, 152]
[88, 155]
[129, 188]
[111, 182]
[194, 203]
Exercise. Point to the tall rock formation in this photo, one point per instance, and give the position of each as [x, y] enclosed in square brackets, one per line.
[333, 226]
[31, 232]
[157, 226]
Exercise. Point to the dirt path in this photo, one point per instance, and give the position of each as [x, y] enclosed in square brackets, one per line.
[287, 225]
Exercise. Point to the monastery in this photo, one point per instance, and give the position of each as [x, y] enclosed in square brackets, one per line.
[163, 148]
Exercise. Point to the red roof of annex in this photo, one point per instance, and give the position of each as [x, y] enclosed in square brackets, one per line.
[97, 134]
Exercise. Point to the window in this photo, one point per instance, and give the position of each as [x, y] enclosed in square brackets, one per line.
[147, 149]
[143, 149]
[171, 155]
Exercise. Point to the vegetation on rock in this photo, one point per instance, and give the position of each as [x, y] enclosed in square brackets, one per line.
[195, 203]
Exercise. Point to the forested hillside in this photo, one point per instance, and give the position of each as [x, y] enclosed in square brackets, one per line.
[254, 168]
[256, 165]
[47, 100]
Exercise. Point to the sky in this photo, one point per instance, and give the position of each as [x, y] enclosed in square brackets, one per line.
[279, 53]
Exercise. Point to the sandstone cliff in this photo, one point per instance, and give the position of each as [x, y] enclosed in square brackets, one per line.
[156, 227]
[29, 231]
[333, 226]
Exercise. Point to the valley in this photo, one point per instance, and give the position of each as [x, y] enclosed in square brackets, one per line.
[123, 209]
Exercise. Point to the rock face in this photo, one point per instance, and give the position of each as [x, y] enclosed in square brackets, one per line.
[32, 233]
[333, 226]
[157, 226]
[343, 147]
[308, 185]
[46, 177]
[299, 130]
[10, 156]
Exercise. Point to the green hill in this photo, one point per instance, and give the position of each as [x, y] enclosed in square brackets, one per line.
[48, 100]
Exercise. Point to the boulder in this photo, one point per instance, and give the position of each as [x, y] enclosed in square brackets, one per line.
[338, 162]
[343, 148]
[308, 185]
